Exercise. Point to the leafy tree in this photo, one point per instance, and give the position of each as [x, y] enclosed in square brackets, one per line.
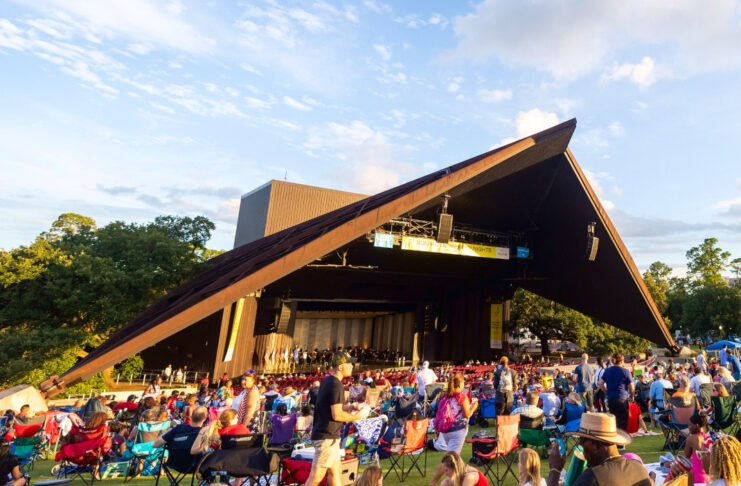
[706, 261]
[131, 367]
[657, 281]
[735, 266]
[710, 306]
[76, 284]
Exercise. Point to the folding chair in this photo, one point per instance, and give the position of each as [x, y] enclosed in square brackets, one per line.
[29, 440]
[499, 452]
[83, 452]
[373, 399]
[146, 457]
[415, 435]
[253, 463]
[368, 435]
[736, 390]
[180, 462]
[536, 438]
[432, 391]
[725, 417]
[675, 425]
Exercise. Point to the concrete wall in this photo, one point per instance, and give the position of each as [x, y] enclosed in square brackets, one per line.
[14, 398]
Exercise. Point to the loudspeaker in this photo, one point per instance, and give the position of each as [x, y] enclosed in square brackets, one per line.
[444, 228]
[592, 247]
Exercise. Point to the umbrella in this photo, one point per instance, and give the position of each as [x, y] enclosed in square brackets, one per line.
[717, 346]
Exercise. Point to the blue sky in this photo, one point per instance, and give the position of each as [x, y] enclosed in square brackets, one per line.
[132, 109]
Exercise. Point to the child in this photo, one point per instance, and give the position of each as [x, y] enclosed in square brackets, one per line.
[529, 468]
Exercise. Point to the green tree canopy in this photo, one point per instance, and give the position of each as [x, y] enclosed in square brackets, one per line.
[706, 261]
[77, 283]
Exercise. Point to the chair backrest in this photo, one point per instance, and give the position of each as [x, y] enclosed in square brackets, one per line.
[706, 393]
[179, 456]
[28, 427]
[681, 415]
[432, 390]
[724, 411]
[415, 432]
[372, 397]
[235, 441]
[682, 480]
[149, 431]
[81, 434]
[508, 428]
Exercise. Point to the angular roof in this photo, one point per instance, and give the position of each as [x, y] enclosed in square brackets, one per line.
[612, 289]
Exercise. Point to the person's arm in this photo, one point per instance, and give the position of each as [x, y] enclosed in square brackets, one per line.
[468, 407]
[632, 389]
[689, 446]
[602, 385]
[340, 415]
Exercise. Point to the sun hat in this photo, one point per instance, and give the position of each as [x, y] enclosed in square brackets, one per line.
[601, 427]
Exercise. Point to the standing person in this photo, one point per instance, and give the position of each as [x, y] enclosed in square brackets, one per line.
[656, 395]
[179, 376]
[454, 404]
[583, 376]
[599, 394]
[736, 365]
[619, 389]
[702, 361]
[249, 405]
[153, 389]
[723, 356]
[600, 438]
[330, 413]
[425, 376]
[504, 381]
[167, 372]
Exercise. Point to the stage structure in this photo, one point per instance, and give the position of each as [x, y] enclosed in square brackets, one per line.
[428, 266]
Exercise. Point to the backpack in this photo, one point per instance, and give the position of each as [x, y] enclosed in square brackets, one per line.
[445, 417]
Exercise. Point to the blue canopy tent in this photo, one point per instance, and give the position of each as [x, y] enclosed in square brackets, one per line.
[717, 346]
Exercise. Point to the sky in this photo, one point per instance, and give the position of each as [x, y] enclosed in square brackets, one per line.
[125, 110]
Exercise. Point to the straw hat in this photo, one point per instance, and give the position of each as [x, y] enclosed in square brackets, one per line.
[601, 427]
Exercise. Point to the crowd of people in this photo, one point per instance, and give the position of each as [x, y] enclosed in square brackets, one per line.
[594, 401]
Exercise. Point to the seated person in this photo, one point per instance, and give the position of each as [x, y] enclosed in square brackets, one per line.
[306, 420]
[550, 403]
[531, 417]
[283, 425]
[357, 391]
[197, 418]
[210, 437]
[10, 472]
[287, 400]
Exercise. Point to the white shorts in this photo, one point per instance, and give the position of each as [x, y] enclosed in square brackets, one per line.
[451, 441]
[327, 454]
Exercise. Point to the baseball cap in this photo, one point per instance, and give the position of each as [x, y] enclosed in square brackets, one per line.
[341, 357]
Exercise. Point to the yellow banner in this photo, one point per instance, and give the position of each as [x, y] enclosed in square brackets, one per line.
[497, 316]
[235, 331]
[429, 245]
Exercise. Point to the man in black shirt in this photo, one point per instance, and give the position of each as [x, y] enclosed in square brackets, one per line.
[197, 418]
[329, 414]
[599, 437]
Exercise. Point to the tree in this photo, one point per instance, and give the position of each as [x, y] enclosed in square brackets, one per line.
[76, 284]
[735, 266]
[657, 281]
[710, 306]
[706, 261]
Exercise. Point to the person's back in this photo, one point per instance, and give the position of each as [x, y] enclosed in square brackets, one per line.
[616, 471]
[551, 403]
[656, 392]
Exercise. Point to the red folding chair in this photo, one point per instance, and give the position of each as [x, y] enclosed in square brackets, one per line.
[413, 448]
[499, 453]
[83, 452]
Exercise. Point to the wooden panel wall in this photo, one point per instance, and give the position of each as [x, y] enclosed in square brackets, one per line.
[395, 331]
[324, 333]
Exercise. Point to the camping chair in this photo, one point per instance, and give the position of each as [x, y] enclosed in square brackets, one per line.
[180, 462]
[675, 425]
[252, 463]
[432, 391]
[373, 399]
[415, 435]
[83, 452]
[29, 440]
[682, 480]
[706, 395]
[536, 438]
[725, 417]
[146, 458]
[368, 435]
[498, 453]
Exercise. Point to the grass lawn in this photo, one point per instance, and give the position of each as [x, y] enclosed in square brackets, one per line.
[649, 448]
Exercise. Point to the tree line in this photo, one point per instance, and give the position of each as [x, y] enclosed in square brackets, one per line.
[77, 283]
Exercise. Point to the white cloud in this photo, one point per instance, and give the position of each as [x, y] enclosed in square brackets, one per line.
[571, 38]
[383, 51]
[453, 87]
[141, 49]
[594, 181]
[367, 152]
[617, 191]
[81, 70]
[377, 7]
[644, 74]
[142, 21]
[293, 103]
[494, 95]
[11, 37]
[533, 121]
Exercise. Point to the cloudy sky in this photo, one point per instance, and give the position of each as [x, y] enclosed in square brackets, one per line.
[135, 108]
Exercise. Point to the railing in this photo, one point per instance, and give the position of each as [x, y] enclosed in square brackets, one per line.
[145, 376]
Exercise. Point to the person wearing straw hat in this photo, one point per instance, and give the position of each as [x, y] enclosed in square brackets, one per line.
[599, 437]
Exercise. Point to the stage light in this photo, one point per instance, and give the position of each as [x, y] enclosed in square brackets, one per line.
[592, 242]
[445, 223]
